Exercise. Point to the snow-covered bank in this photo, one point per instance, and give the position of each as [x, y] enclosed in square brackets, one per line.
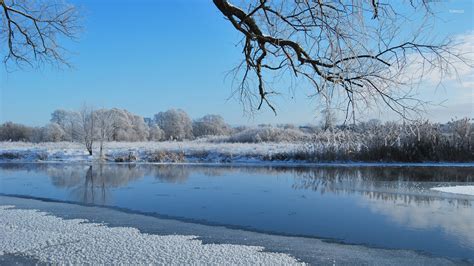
[170, 151]
[54, 240]
[464, 190]
[190, 152]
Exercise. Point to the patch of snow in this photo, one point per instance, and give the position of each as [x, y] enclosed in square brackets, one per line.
[464, 190]
[55, 240]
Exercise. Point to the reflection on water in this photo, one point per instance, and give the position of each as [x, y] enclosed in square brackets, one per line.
[381, 206]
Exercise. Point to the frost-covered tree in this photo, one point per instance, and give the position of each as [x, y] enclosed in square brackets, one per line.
[60, 117]
[462, 131]
[68, 121]
[10, 131]
[86, 127]
[140, 128]
[53, 132]
[364, 50]
[104, 127]
[121, 125]
[210, 125]
[128, 126]
[37, 135]
[328, 121]
[156, 133]
[175, 123]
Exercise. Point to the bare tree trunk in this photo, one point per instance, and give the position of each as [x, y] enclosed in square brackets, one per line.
[89, 149]
[101, 155]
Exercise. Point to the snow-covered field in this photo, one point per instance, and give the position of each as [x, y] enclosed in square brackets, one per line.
[294, 153]
[54, 240]
[464, 190]
[170, 151]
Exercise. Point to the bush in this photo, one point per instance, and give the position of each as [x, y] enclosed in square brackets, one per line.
[165, 156]
[419, 141]
[126, 158]
[268, 134]
[9, 156]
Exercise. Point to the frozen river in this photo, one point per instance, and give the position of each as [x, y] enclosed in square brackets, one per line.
[311, 213]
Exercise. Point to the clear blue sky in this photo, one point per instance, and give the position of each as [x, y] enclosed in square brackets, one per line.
[149, 56]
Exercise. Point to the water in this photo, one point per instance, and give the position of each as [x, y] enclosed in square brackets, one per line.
[385, 207]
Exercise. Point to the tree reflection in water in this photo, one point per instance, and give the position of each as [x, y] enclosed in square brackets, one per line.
[401, 193]
[92, 182]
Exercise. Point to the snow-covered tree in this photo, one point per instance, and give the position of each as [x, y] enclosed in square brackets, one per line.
[68, 121]
[53, 132]
[10, 131]
[210, 125]
[328, 121]
[156, 133]
[128, 126]
[104, 128]
[175, 123]
[462, 131]
[121, 125]
[139, 127]
[86, 127]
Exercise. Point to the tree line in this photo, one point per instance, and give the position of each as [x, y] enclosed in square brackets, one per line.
[88, 125]
[365, 140]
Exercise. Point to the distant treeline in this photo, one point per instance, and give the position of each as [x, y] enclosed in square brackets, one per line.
[412, 141]
[116, 125]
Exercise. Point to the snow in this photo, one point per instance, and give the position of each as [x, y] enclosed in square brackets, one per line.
[192, 150]
[197, 151]
[464, 190]
[52, 239]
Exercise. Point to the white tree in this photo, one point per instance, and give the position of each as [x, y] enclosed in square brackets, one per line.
[121, 126]
[329, 118]
[104, 127]
[140, 128]
[68, 121]
[210, 125]
[175, 123]
[53, 132]
[156, 133]
[86, 127]
[128, 126]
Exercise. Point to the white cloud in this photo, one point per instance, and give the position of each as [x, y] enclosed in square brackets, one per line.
[459, 70]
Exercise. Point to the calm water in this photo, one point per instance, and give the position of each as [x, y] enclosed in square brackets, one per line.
[387, 207]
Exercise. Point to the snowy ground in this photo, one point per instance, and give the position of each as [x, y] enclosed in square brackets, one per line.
[173, 152]
[54, 240]
[169, 151]
[464, 190]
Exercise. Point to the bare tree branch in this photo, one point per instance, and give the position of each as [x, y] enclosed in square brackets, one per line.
[34, 29]
[355, 46]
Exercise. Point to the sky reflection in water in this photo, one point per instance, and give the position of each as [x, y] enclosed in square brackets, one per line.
[390, 207]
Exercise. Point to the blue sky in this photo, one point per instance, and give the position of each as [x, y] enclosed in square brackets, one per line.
[149, 56]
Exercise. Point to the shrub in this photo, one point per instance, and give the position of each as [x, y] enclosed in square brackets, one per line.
[268, 134]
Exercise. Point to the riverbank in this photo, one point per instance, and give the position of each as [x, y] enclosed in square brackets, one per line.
[201, 152]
